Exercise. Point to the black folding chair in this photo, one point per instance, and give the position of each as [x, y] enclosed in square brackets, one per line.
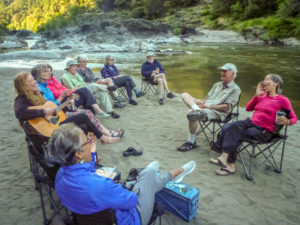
[267, 149]
[214, 126]
[122, 92]
[43, 174]
[108, 217]
[148, 87]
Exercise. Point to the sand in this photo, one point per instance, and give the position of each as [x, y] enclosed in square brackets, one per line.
[157, 130]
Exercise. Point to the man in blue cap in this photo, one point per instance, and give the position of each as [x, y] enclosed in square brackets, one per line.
[217, 104]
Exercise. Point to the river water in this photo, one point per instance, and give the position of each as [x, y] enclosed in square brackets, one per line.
[193, 68]
[196, 69]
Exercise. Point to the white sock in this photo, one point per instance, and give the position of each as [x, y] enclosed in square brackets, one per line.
[192, 138]
[195, 107]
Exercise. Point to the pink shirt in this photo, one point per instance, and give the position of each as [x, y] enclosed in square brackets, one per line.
[265, 108]
[56, 87]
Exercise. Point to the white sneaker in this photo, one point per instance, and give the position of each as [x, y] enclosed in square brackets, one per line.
[154, 165]
[187, 169]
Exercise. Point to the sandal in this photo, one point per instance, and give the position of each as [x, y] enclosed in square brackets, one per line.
[118, 133]
[132, 151]
[217, 162]
[224, 172]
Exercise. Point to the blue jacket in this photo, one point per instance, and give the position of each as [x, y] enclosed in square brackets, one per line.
[109, 71]
[147, 68]
[47, 94]
[84, 192]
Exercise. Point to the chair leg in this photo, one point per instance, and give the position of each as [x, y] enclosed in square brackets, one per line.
[249, 176]
[281, 160]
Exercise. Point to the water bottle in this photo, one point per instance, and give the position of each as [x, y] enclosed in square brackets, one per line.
[278, 127]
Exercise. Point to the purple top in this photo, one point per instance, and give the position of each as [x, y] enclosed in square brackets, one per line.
[109, 71]
[21, 109]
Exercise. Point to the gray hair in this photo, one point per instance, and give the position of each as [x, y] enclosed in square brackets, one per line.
[107, 58]
[81, 57]
[37, 70]
[277, 79]
[65, 142]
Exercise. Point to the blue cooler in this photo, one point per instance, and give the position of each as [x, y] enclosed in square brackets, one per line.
[180, 199]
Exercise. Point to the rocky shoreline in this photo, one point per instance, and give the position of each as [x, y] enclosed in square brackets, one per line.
[130, 35]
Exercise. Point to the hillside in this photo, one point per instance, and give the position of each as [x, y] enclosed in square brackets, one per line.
[265, 19]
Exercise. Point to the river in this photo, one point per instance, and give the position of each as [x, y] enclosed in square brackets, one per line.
[193, 68]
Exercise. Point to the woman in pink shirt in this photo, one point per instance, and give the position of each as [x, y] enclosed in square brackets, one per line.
[266, 103]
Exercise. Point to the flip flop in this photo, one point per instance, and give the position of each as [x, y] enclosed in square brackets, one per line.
[227, 172]
[217, 162]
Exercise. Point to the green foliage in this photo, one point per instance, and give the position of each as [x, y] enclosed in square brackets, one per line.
[289, 8]
[155, 9]
[31, 14]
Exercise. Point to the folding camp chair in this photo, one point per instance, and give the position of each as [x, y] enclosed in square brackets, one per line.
[148, 87]
[214, 126]
[268, 149]
[122, 92]
[43, 175]
[108, 217]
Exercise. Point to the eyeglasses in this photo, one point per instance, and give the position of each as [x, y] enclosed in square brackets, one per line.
[89, 140]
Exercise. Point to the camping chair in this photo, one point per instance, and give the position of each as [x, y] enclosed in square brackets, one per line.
[149, 87]
[268, 149]
[205, 127]
[43, 175]
[122, 92]
[108, 217]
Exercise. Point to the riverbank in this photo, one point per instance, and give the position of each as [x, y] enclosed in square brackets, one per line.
[157, 130]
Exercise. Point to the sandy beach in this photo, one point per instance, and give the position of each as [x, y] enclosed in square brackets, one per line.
[271, 199]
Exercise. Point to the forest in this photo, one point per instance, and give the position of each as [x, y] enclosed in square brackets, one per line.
[280, 18]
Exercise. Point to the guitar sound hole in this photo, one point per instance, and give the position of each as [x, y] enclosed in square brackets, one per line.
[54, 120]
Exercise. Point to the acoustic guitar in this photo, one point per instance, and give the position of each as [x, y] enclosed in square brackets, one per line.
[46, 125]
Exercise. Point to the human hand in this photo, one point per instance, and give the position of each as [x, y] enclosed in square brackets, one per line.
[282, 120]
[75, 88]
[49, 111]
[66, 93]
[259, 89]
[93, 139]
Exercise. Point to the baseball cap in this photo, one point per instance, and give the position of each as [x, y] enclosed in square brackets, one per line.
[229, 66]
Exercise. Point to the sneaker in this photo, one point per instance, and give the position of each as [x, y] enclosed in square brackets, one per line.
[140, 94]
[197, 115]
[170, 95]
[102, 114]
[132, 102]
[187, 146]
[161, 101]
[187, 169]
[154, 165]
[119, 105]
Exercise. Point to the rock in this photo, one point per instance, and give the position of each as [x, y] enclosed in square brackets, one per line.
[30, 54]
[291, 41]
[254, 35]
[42, 44]
[11, 42]
[24, 33]
[62, 47]
[204, 35]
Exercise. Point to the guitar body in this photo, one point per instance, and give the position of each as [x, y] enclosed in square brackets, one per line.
[46, 125]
